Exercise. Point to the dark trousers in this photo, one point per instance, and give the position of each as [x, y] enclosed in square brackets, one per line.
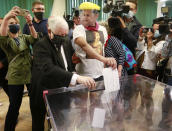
[15, 99]
[38, 112]
[4, 85]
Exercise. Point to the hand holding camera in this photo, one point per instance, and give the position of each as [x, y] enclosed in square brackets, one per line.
[16, 11]
[28, 19]
[12, 13]
[141, 34]
[23, 12]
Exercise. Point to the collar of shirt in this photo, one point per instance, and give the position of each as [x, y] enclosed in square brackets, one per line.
[44, 19]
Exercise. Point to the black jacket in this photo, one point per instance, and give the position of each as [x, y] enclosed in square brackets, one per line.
[48, 71]
[130, 37]
[4, 61]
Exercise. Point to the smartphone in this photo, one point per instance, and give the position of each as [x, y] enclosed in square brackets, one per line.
[23, 12]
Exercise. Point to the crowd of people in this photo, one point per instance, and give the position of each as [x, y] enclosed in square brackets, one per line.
[47, 55]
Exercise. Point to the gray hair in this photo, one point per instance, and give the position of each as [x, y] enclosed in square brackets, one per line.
[56, 22]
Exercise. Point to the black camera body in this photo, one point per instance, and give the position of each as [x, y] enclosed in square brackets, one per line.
[165, 22]
[69, 18]
[146, 29]
[165, 28]
[117, 9]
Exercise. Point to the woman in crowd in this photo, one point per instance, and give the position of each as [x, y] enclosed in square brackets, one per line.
[16, 48]
[148, 52]
[113, 46]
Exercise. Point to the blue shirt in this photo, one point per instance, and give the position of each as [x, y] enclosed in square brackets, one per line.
[39, 27]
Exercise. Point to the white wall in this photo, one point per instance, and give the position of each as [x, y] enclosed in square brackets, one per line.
[160, 4]
[58, 7]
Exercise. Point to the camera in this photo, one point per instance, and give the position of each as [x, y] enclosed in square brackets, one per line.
[165, 28]
[118, 9]
[146, 29]
[22, 12]
[69, 18]
[165, 22]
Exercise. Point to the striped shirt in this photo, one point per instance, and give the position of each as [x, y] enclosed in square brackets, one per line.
[114, 49]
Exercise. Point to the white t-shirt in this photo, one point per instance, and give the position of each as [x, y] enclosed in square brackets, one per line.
[88, 66]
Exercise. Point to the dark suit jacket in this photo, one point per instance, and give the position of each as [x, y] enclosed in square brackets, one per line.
[130, 37]
[4, 61]
[48, 71]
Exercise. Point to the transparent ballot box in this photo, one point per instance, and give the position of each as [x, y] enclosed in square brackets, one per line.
[141, 104]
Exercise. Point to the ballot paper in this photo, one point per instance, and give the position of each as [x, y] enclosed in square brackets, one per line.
[98, 118]
[111, 80]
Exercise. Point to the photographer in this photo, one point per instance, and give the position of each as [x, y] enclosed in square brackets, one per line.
[129, 23]
[149, 51]
[167, 55]
[131, 27]
[16, 47]
[160, 40]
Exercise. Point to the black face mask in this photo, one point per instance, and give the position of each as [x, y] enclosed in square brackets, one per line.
[39, 15]
[14, 28]
[58, 40]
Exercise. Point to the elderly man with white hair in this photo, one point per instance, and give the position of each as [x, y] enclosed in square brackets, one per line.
[52, 68]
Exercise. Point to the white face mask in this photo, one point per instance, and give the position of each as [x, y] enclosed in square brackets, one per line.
[129, 15]
[157, 34]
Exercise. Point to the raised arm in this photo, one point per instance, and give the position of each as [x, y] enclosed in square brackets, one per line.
[31, 27]
[4, 26]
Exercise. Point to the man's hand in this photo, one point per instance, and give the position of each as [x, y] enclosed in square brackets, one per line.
[110, 61]
[28, 19]
[87, 81]
[141, 34]
[156, 27]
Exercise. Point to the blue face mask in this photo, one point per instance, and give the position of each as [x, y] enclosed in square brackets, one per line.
[14, 28]
[157, 34]
[129, 15]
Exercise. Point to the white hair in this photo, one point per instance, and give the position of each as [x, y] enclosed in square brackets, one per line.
[56, 22]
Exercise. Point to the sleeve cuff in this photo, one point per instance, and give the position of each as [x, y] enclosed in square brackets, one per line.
[73, 80]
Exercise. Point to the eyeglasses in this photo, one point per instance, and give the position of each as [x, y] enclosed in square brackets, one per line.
[40, 9]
